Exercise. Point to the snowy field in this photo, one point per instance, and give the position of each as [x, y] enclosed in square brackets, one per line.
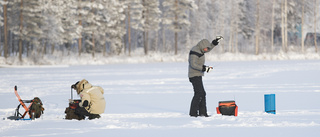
[153, 99]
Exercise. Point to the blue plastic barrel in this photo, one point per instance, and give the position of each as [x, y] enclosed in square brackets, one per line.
[270, 103]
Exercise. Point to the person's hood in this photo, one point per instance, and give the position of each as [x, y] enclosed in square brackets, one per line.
[83, 84]
[205, 44]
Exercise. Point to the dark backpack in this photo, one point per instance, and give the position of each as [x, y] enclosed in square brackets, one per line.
[36, 108]
[70, 111]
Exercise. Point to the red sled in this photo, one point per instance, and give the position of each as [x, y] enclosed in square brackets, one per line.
[228, 108]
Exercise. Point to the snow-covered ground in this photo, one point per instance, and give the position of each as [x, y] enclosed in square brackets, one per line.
[153, 99]
[138, 56]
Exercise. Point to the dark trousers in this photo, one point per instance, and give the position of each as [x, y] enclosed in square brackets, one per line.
[198, 103]
[81, 111]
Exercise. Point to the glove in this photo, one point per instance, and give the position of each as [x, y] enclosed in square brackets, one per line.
[85, 103]
[207, 68]
[74, 86]
[217, 40]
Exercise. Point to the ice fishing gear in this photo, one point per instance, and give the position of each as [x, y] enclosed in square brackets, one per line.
[228, 108]
[270, 103]
[34, 110]
[73, 104]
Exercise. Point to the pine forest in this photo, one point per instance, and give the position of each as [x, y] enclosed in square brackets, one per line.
[35, 28]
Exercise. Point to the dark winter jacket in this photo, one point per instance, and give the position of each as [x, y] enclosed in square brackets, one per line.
[197, 58]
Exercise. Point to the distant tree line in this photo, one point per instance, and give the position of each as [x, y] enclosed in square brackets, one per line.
[34, 28]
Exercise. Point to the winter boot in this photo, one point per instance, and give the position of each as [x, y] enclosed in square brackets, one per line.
[94, 116]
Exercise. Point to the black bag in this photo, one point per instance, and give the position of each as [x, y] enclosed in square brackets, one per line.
[228, 108]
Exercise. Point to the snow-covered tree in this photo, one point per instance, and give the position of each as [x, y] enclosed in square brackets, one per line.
[69, 20]
[26, 19]
[33, 21]
[289, 22]
[113, 14]
[3, 22]
[86, 22]
[203, 21]
[34, 25]
[222, 11]
[236, 22]
[102, 21]
[305, 6]
[2, 4]
[53, 27]
[134, 18]
[176, 17]
[14, 19]
[151, 19]
[257, 28]
[315, 24]
[289, 19]
[94, 21]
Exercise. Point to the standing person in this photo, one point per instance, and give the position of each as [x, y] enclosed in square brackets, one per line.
[92, 100]
[196, 71]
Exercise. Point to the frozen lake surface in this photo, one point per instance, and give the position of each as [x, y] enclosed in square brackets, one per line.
[153, 99]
